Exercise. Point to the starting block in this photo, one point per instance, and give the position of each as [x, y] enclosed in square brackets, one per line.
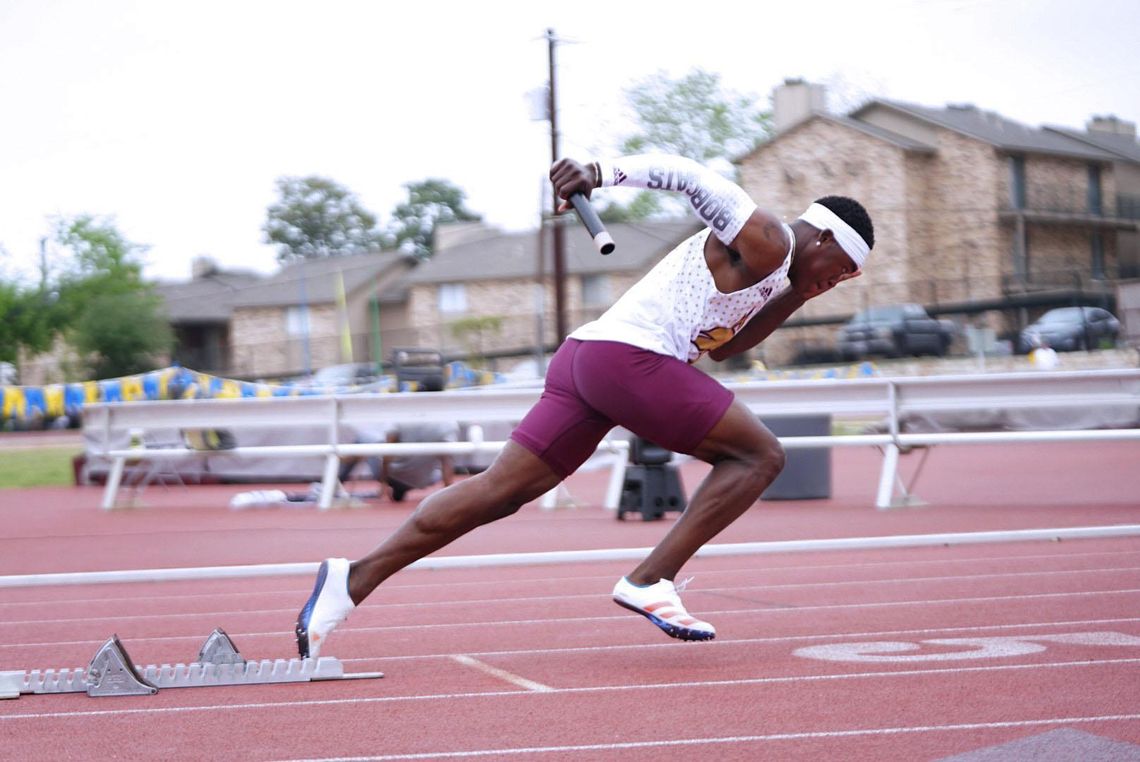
[112, 673]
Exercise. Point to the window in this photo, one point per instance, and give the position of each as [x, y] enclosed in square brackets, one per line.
[452, 297]
[297, 321]
[1017, 181]
[596, 291]
[1095, 197]
[1096, 242]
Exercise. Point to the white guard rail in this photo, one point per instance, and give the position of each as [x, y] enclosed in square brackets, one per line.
[888, 399]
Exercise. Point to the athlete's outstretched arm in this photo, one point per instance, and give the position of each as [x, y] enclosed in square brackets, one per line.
[756, 235]
[719, 203]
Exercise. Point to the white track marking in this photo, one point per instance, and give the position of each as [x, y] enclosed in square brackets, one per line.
[721, 642]
[400, 583]
[626, 617]
[1001, 647]
[578, 557]
[502, 674]
[673, 743]
[737, 683]
[717, 643]
[587, 596]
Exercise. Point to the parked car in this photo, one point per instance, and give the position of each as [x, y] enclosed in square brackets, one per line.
[895, 330]
[1067, 329]
[423, 367]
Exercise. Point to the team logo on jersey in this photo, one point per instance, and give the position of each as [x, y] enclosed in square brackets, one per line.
[712, 338]
[709, 340]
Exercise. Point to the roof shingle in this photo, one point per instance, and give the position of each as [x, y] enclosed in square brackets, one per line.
[515, 255]
[992, 128]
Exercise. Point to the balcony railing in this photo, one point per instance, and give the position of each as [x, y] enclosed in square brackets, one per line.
[1060, 205]
[1062, 280]
[1128, 206]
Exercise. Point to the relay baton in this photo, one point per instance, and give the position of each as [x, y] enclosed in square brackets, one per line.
[602, 240]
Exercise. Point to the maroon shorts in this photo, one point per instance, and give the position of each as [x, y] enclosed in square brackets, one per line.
[592, 386]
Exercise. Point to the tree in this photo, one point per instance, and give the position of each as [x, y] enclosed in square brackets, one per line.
[474, 331]
[643, 206]
[25, 317]
[315, 217]
[693, 116]
[108, 313]
[430, 203]
[102, 263]
[24, 321]
[122, 333]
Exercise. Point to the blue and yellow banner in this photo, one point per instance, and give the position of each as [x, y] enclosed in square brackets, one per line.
[31, 404]
[40, 404]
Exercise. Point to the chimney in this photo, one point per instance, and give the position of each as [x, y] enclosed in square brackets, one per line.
[202, 267]
[1113, 125]
[796, 100]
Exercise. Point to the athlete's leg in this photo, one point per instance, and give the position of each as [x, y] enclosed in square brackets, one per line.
[554, 438]
[745, 459]
[515, 478]
[683, 409]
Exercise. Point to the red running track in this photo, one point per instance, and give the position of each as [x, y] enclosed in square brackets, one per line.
[919, 653]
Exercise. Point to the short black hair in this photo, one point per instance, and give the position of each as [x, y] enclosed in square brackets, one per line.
[852, 212]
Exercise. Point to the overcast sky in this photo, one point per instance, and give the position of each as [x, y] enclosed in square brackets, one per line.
[177, 118]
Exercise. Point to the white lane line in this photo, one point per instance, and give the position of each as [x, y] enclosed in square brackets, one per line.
[737, 683]
[502, 674]
[400, 583]
[721, 642]
[672, 743]
[790, 609]
[736, 589]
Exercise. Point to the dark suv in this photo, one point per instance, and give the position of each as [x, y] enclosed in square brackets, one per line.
[894, 330]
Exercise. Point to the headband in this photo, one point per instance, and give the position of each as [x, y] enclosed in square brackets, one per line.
[853, 245]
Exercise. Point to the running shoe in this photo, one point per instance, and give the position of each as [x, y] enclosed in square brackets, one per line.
[660, 604]
[327, 607]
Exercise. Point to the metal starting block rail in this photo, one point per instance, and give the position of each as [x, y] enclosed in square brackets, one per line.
[113, 673]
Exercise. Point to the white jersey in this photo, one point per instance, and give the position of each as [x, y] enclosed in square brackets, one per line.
[677, 310]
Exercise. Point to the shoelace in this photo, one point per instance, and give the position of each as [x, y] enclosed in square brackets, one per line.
[683, 584]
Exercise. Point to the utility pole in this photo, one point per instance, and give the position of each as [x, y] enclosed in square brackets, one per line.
[556, 231]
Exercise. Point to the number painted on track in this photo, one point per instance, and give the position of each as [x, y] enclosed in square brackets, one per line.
[964, 648]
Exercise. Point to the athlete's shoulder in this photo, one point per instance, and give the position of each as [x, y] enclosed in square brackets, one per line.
[763, 242]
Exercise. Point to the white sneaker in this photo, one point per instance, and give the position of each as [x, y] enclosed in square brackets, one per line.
[327, 607]
[660, 604]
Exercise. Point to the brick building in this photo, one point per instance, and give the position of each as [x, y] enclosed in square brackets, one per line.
[977, 217]
[291, 322]
[479, 297]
